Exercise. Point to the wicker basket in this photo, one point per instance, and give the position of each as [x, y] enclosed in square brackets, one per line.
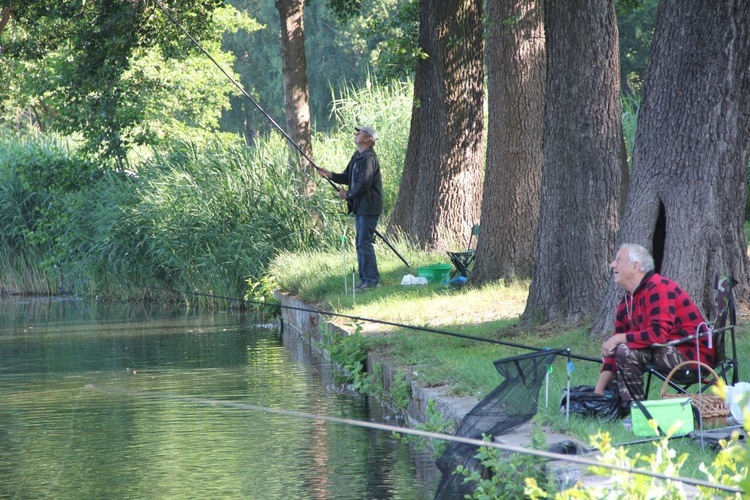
[713, 409]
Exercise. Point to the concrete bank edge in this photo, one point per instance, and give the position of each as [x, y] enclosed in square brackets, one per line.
[302, 320]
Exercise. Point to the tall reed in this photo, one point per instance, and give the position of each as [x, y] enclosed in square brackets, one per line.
[26, 246]
[198, 221]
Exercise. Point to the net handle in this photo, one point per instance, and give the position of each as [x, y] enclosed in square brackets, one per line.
[703, 366]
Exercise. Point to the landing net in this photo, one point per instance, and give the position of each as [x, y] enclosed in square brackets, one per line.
[510, 405]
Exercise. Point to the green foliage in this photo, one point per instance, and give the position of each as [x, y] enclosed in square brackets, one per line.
[635, 23]
[112, 70]
[507, 472]
[436, 423]
[400, 391]
[261, 294]
[729, 468]
[212, 216]
[344, 9]
[370, 37]
[198, 219]
[349, 355]
[51, 163]
[38, 177]
[630, 106]
[397, 51]
[20, 254]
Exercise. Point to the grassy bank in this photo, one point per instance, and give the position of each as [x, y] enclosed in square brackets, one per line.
[462, 365]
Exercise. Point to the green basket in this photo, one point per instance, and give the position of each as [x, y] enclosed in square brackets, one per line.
[436, 273]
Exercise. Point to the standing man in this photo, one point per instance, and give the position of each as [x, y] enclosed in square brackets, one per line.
[365, 199]
[655, 310]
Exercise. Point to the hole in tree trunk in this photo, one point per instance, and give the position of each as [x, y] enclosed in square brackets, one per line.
[660, 235]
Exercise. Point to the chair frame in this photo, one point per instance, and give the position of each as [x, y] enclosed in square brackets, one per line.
[720, 329]
[462, 261]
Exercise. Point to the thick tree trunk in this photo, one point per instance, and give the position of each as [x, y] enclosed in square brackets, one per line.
[294, 70]
[515, 128]
[403, 209]
[581, 170]
[442, 199]
[686, 199]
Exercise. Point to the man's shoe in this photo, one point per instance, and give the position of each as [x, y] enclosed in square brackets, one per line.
[365, 286]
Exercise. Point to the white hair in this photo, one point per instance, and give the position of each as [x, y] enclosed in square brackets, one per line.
[639, 254]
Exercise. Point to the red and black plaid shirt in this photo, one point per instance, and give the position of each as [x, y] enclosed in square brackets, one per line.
[657, 312]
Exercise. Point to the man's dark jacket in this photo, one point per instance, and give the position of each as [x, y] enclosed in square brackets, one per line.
[362, 175]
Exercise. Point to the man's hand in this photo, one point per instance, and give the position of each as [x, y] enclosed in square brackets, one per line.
[610, 345]
[326, 174]
[342, 194]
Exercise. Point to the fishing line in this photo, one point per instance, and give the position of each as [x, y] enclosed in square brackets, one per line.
[239, 87]
[415, 432]
[268, 117]
[388, 323]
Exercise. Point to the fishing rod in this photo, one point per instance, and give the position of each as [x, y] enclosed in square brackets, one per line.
[267, 116]
[391, 429]
[388, 323]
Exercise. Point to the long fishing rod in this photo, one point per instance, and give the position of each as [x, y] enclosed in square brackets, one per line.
[387, 323]
[549, 455]
[268, 117]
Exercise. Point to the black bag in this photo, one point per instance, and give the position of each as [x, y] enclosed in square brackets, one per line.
[584, 402]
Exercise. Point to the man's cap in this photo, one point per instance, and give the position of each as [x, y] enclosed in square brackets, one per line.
[368, 130]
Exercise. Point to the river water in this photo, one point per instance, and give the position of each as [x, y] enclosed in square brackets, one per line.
[126, 401]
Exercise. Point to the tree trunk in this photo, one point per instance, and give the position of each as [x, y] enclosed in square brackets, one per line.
[5, 13]
[515, 86]
[581, 169]
[442, 180]
[294, 69]
[686, 198]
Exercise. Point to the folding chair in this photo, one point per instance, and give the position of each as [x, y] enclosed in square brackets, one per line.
[462, 261]
[722, 332]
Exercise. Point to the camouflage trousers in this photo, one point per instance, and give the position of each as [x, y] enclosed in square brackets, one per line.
[631, 366]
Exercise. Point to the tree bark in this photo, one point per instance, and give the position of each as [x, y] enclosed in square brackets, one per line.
[296, 104]
[582, 160]
[5, 14]
[516, 69]
[686, 199]
[440, 194]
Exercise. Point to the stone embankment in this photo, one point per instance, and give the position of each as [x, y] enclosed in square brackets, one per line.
[302, 321]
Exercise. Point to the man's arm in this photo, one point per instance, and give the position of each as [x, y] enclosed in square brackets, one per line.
[327, 174]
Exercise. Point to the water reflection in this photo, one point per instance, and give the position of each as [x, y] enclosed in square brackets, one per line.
[88, 409]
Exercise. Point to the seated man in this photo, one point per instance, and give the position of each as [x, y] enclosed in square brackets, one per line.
[655, 310]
